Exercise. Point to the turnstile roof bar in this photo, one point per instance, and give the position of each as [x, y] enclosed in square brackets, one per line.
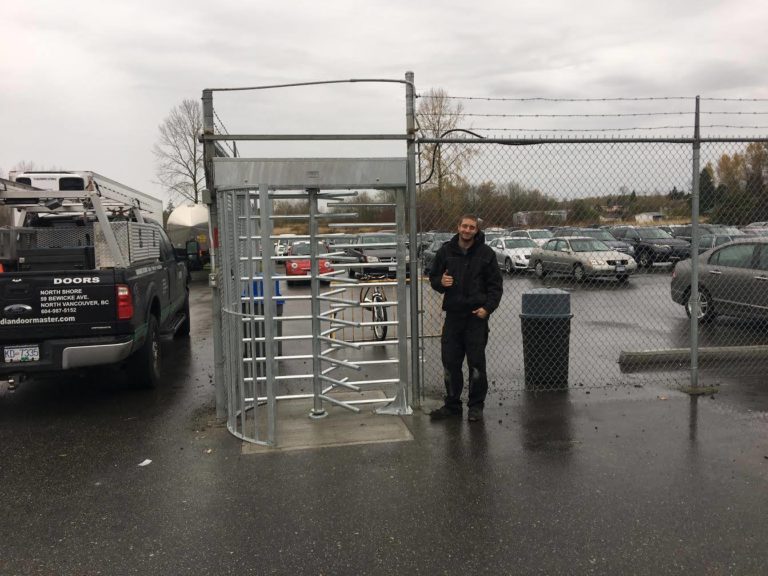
[304, 173]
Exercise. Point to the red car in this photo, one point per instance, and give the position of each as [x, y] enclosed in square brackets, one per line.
[298, 264]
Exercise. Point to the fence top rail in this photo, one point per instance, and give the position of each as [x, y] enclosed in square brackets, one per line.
[537, 141]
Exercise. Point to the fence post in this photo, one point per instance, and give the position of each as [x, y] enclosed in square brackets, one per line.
[209, 151]
[410, 96]
[695, 253]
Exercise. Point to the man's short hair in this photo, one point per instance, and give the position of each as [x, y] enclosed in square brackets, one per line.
[470, 217]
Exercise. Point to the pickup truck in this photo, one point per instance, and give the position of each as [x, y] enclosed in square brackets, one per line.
[81, 289]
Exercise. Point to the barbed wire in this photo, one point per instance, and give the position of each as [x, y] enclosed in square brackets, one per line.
[735, 99]
[733, 113]
[223, 130]
[543, 99]
[613, 99]
[607, 115]
[626, 129]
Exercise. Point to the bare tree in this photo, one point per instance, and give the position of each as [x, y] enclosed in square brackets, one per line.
[178, 152]
[437, 116]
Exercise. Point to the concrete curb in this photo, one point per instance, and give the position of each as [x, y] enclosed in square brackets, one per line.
[680, 358]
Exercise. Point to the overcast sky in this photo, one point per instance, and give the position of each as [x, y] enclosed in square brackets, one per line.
[86, 83]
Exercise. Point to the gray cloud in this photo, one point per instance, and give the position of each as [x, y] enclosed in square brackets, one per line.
[88, 82]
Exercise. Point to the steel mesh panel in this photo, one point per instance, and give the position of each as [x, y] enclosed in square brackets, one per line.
[614, 320]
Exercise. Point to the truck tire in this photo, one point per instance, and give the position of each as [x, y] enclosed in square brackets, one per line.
[185, 326]
[145, 364]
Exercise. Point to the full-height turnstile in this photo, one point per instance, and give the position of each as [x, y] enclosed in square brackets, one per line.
[270, 339]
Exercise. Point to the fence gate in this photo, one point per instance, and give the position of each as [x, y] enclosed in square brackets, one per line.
[277, 347]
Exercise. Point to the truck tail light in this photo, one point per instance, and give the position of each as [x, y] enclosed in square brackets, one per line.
[124, 302]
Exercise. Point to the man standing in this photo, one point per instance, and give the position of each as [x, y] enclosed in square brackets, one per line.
[465, 271]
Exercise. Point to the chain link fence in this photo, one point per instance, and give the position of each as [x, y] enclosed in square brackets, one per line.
[630, 202]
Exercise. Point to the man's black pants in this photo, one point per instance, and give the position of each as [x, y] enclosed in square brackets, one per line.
[464, 335]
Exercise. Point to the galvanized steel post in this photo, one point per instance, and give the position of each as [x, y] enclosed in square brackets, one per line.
[695, 304]
[209, 151]
[317, 386]
[410, 182]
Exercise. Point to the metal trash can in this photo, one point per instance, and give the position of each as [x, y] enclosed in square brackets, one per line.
[546, 327]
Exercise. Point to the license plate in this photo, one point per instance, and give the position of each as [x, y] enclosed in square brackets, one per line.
[13, 354]
[620, 268]
[393, 268]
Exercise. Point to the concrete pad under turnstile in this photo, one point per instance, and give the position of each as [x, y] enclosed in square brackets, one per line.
[342, 427]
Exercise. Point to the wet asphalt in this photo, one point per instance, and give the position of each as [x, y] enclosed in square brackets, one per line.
[622, 480]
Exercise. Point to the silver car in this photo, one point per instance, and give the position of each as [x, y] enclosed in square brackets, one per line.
[538, 235]
[513, 254]
[581, 257]
[732, 280]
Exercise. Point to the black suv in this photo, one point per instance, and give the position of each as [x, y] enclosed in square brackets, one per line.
[652, 244]
[377, 249]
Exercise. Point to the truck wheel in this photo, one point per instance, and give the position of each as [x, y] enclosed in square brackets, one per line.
[645, 260]
[185, 326]
[145, 363]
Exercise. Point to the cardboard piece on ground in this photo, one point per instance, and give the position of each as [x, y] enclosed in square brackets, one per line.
[342, 427]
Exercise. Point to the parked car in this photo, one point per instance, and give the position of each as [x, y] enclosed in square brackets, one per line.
[685, 232]
[375, 248]
[493, 233]
[513, 254]
[732, 280]
[652, 244]
[428, 255]
[581, 257]
[599, 234]
[298, 263]
[538, 235]
[756, 229]
[708, 241]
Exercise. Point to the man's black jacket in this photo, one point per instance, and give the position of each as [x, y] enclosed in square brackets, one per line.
[477, 279]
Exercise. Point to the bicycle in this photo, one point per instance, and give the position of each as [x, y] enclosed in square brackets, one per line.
[373, 297]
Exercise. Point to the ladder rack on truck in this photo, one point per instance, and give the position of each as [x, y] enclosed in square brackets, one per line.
[79, 192]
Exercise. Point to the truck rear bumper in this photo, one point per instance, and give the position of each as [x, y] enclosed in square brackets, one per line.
[95, 355]
[66, 354]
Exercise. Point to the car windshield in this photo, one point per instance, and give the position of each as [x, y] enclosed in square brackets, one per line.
[539, 234]
[654, 234]
[519, 243]
[598, 235]
[377, 239]
[588, 246]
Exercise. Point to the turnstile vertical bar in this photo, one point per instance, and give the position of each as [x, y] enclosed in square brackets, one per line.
[267, 291]
[317, 386]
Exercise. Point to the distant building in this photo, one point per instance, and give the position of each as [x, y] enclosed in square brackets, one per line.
[538, 217]
[649, 217]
